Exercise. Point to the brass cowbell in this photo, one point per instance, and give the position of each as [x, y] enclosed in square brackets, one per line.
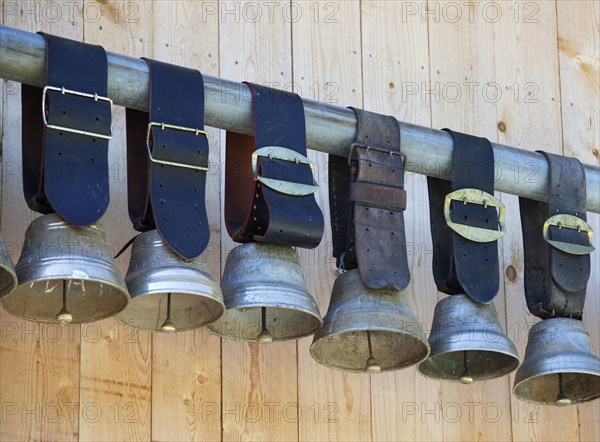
[467, 343]
[66, 275]
[266, 296]
[560, 367]
[368, 330]
[168, 293]
[8, 278]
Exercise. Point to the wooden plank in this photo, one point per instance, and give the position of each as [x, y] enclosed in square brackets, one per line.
[186, 367]
[259, 387]
[116, 361]
[526, 60]
[462, 63]
[39, 364]
[335, 405]
[395, 66]
[579, 51]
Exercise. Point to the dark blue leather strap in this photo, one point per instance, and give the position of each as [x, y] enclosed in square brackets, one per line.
[168, 192]
[459, 264]
[253, 211]
[63, 171]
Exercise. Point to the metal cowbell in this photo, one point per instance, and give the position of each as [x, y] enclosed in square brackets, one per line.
[8, 278]
[167, 292]
[467, 343]
[266, 296]
[368, 330]
[560, 367]
[66, 275]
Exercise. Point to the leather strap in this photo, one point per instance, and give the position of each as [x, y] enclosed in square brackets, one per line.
[255, 212]
[460, 265]
[167, 191]
[64, 171]
[555, 281]
[367, 202]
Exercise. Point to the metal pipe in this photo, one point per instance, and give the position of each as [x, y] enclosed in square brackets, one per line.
[329, 128]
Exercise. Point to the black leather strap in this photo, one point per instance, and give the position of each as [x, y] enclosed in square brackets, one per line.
[167, 191]
[254, 211]
[462, 266]
[63, 171]
[367, 202]
[555, 281]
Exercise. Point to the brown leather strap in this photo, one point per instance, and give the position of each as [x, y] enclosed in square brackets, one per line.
[555, 281]
[367, 202]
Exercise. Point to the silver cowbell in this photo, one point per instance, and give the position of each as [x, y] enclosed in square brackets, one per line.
[8, 278]
[66, 275]
[266, 296]
[560, 367]
[168, 293]
[368, 330]
[467, 343]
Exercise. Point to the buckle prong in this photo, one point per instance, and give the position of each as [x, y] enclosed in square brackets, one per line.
[569, 222]
[284, 154]
[475, 196]
[164, 126]
[65, 91]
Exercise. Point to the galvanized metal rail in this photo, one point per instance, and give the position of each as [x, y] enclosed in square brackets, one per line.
[329, 128]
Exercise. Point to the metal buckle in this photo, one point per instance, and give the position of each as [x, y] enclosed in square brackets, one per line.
[285, 154]
[63, 91]
[475, 196]
[568, 222]
[377, 149]
[164, 126]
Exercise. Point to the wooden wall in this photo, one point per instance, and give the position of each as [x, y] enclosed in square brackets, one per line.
[521, 73]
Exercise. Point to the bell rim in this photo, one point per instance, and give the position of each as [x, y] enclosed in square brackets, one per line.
[11, 276]
[428, 369]
[138, 298]
[119, 290]
[215, 329]
[423, 344]
[530, 399]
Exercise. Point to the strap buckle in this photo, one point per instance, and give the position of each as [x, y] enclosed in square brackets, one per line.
[475, 196]
[164, 126]
[569, 222]
[375, 148]
[64, 91]
[284, 154]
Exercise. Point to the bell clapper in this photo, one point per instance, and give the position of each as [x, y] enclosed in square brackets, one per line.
[465, 377]
[168, 325]
[372, 363]
[561, 400]
[64, 317]
[265, 336]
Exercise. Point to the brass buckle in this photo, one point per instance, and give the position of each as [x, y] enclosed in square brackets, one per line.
[64, 91]
[475, 196]
[568, 222]
[377, 149]
[284, 154]
[164, 126]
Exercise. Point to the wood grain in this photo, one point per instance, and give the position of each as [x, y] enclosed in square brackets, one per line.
[103, 381]
[260, 391]
[186, 367]
[334, 404]
[395, 69]
[39, 364]
[116, 361]
[526, 59]
[462, 63]
[579, 54]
